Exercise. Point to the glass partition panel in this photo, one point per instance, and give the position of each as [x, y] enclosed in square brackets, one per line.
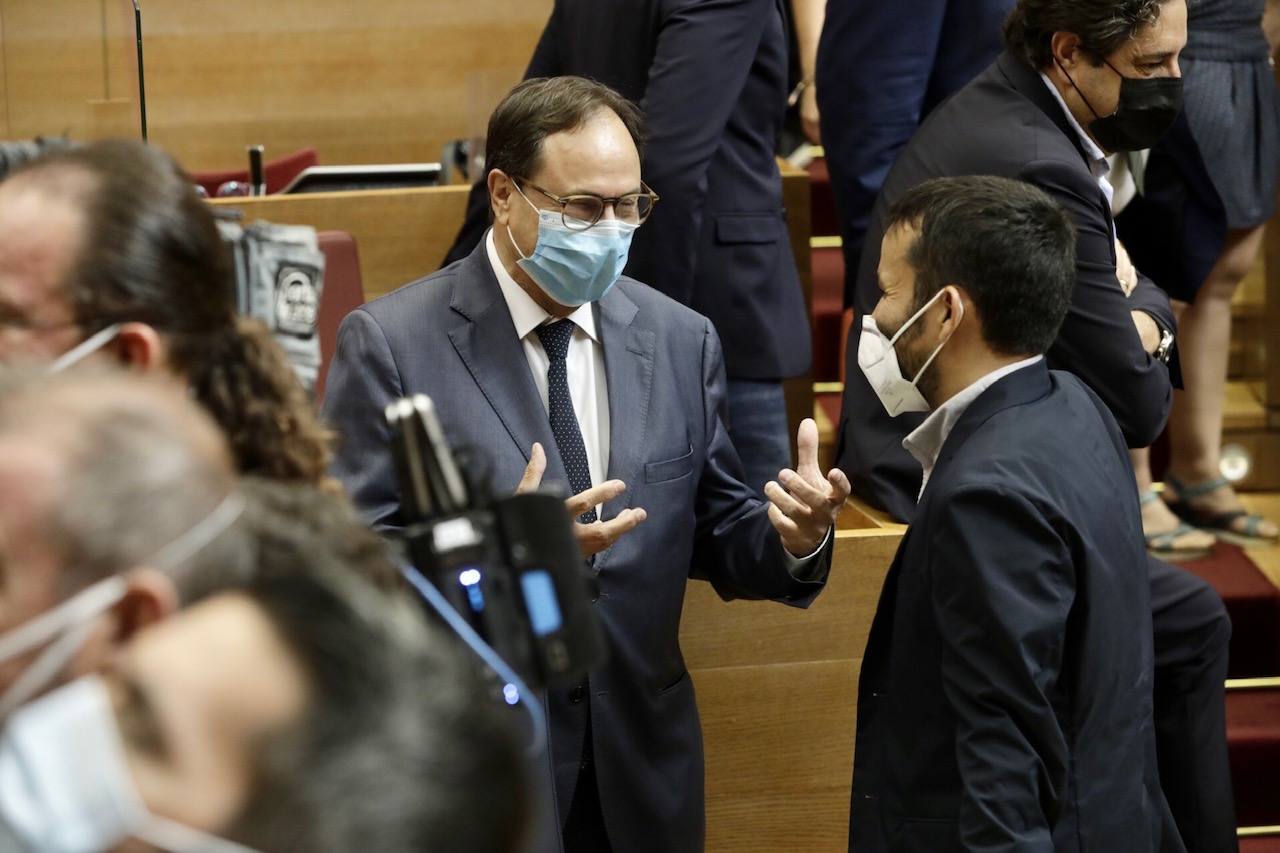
[70, 67]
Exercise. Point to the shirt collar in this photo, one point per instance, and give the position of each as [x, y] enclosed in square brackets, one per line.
[526, 314]
[1098, 163]
[925, 441]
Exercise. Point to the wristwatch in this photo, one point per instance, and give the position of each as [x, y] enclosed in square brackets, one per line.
[1165, 350]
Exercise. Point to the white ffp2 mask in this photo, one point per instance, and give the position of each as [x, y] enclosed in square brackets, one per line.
[879, 363]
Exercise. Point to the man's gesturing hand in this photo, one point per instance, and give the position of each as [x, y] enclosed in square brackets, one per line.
[805, 506]
[599, 535]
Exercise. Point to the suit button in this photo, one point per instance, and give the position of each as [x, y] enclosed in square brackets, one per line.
[577, 694]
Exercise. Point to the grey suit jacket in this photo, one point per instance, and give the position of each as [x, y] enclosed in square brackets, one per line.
[450, 336]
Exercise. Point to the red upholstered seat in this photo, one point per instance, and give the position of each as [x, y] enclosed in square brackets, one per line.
[822, 201]
[1253, 736]
[279, 172]
[343, 293]
[828, 306]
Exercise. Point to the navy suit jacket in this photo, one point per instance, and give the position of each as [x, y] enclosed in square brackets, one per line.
[1004, 701]
[1007, 123]
[451, 336]
[711, 78]
[882, 67]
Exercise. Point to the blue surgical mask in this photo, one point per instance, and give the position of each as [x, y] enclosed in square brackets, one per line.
[575, 267]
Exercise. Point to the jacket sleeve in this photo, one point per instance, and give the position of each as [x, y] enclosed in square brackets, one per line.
[703, 55]
[1001, 586]
[735, 545]
[362, 380]
[1098, 341]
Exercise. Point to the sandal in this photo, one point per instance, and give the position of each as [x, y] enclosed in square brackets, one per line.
[1224, 525]
[1165, 544]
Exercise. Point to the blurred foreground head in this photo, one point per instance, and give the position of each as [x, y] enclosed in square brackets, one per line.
[117, 502]
[109, 253]
[308, 711]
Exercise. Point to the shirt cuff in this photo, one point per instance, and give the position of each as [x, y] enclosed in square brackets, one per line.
[807, 568]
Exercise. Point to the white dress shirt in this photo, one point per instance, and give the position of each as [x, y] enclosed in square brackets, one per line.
[1098, 163]
[585, 363]
[925, 441]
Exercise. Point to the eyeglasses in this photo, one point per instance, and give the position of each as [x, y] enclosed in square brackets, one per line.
[580, 212]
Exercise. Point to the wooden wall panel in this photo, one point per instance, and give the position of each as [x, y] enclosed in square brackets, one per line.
[373, 82]
[777, 692]
[69, 67]
[362, 82]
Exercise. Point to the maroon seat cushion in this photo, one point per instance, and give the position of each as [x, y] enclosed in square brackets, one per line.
[828, 306]
[343, 293]
[1253, 738]
[822, 201]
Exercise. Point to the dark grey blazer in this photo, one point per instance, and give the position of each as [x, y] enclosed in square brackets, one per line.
[450, 336]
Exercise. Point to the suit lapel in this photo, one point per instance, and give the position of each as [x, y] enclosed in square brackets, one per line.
[485, 339]
[1023, 386]
[628, 365]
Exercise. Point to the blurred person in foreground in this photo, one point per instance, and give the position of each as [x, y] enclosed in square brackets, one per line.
[117, 505]
[305, 711]
[109, 254]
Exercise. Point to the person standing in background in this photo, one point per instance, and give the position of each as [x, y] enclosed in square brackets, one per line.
[1207, 189]
[880, 69]
[711, 80]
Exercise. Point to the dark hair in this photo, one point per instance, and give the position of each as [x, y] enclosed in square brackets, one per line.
[1102, 25]
[401, 748]
[1006, 243]
[541, 106]
[288, 521]
[151, 253]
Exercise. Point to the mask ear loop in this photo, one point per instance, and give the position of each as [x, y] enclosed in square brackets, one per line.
[511, 236]
[93, 601]
[939, 347]
[85, 348]
[51, 661]
[1077, 88]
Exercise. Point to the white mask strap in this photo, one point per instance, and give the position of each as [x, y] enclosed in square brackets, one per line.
[913, 318]
[86, 348]
[938, 348]
[46, 667]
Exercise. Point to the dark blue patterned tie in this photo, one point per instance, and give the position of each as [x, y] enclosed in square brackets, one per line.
[564, 423]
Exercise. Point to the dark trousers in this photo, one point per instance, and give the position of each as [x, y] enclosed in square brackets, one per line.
[1192, 629]
[584, 830]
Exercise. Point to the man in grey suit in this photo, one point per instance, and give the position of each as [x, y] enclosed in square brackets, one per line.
[538, 353]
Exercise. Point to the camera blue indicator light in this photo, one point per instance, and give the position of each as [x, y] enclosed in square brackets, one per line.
[511, 694]
[540, 598]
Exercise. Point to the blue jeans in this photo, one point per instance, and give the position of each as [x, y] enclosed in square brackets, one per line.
[758, 429]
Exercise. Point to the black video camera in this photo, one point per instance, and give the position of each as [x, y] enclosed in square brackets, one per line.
[510, 566]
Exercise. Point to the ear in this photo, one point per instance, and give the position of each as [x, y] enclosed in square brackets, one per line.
[953, 302]
[501, 188]
[141, 347]
[150, 597]
[1067, 51]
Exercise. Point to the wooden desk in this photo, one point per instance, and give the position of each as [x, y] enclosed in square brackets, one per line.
[777, 691]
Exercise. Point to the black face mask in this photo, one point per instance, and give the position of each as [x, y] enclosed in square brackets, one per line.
[1147, 109]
